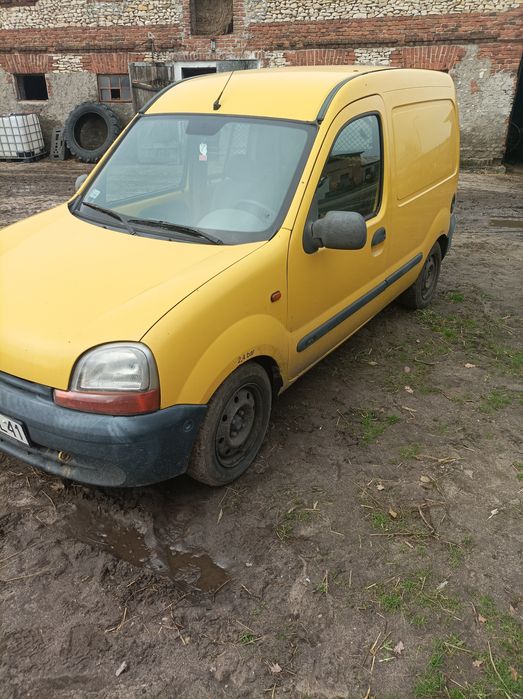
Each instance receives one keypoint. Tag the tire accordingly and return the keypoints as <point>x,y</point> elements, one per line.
<point>243,401</point>
<point>90,129</point>
<point>421,293</point>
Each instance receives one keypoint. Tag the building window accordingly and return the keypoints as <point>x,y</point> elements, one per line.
<point>31,87</point>
<point>114,88</point>
<point>192,71</point>
<point>211,17</point>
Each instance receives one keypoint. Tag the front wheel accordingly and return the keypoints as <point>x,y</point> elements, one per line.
<point>234,427</point>
<point>421,293</point>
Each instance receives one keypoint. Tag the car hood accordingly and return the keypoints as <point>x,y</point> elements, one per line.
<point>67,285</point>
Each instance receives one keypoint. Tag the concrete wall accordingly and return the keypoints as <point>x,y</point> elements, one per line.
<point>479,42</point>
<point>66,91</point>
<point>67,87</point>
<point>485,98</point>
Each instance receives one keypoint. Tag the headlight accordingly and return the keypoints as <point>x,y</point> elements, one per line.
<point>119,378</point>
<point>116,367</point>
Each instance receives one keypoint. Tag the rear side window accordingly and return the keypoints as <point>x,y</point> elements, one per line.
<point>351,178</point>
<point>425,145</point>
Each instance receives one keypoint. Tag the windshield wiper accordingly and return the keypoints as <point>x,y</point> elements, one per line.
<point>114,214</point>
<point>179,228</point>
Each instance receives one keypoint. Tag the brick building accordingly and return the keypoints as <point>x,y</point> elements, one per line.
<point>54,54</point>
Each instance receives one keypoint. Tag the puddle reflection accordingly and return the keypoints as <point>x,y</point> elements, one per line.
<point>192,569</point>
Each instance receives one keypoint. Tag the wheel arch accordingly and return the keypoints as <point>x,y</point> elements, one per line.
<point>191,372</point>
<point>443,241</point>
<point>438,233</point>
<point>273,371</point>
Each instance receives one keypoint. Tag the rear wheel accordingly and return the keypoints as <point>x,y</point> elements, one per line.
<point>234,427</point>
<point>421,293</point>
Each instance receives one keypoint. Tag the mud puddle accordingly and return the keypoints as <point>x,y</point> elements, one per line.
<point>190,569</point>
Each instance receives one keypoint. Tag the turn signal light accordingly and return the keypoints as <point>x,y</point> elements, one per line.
<point>110,403</point>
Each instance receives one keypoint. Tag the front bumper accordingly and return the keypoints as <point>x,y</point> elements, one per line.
<point>98,449</point>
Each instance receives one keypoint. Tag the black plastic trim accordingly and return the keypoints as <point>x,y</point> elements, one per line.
<point>404,269</point>
<point>332,94</point>
<point>352,308</point>
<point>7,380</point>
<point>99,449</point>
<point>379,236</point>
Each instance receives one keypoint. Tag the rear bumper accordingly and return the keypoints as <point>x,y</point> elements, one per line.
<point>98,449</point>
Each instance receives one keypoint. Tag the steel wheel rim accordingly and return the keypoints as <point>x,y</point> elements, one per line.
<point>237,429</point>
<point>430,276</point>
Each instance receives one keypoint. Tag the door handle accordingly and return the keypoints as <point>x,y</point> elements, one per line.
<point>379,236</point>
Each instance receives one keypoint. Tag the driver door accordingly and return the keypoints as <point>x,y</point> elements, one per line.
<point>332,292</point>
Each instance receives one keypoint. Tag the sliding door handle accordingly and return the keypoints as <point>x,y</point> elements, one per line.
<point>379,236</point>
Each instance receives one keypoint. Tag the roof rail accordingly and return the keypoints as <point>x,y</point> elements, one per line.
<point>332,94</point>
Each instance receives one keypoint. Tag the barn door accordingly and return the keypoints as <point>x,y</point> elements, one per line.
<point>146,79</point>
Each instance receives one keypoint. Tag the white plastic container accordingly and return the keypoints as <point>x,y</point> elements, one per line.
<point>20,137</point>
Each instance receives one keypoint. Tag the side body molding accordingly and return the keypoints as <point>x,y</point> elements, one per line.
<point>352,308</point>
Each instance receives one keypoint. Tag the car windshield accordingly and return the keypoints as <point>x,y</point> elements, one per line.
<point>229,177</point>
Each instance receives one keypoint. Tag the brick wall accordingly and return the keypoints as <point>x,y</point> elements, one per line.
<point>478,42</point>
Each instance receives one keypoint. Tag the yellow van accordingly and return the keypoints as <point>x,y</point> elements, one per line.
<point>241,228</point>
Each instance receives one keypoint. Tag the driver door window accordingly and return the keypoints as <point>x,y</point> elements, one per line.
<point>351,178</point>
<point>348,175</point>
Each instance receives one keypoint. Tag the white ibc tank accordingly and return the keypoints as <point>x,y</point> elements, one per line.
<point>20,137</point>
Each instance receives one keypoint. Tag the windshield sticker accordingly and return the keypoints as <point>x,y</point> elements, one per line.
<point>203,152</point>
<point>93,194</point>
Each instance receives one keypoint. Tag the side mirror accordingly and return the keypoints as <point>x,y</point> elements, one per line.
<point>79,181</point>
<point>339,230</point>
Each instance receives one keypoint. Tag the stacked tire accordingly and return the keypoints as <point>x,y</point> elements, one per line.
<point>90,129</point>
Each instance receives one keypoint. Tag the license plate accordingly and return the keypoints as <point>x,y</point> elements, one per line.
<point>13,429</point>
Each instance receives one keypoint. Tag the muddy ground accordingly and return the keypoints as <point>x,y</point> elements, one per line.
<point>374,550</point>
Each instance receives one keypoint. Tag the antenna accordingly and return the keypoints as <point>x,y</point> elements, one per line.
<point>216,104</point>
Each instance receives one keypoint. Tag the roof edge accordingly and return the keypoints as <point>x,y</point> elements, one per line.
<point>334,91</point>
